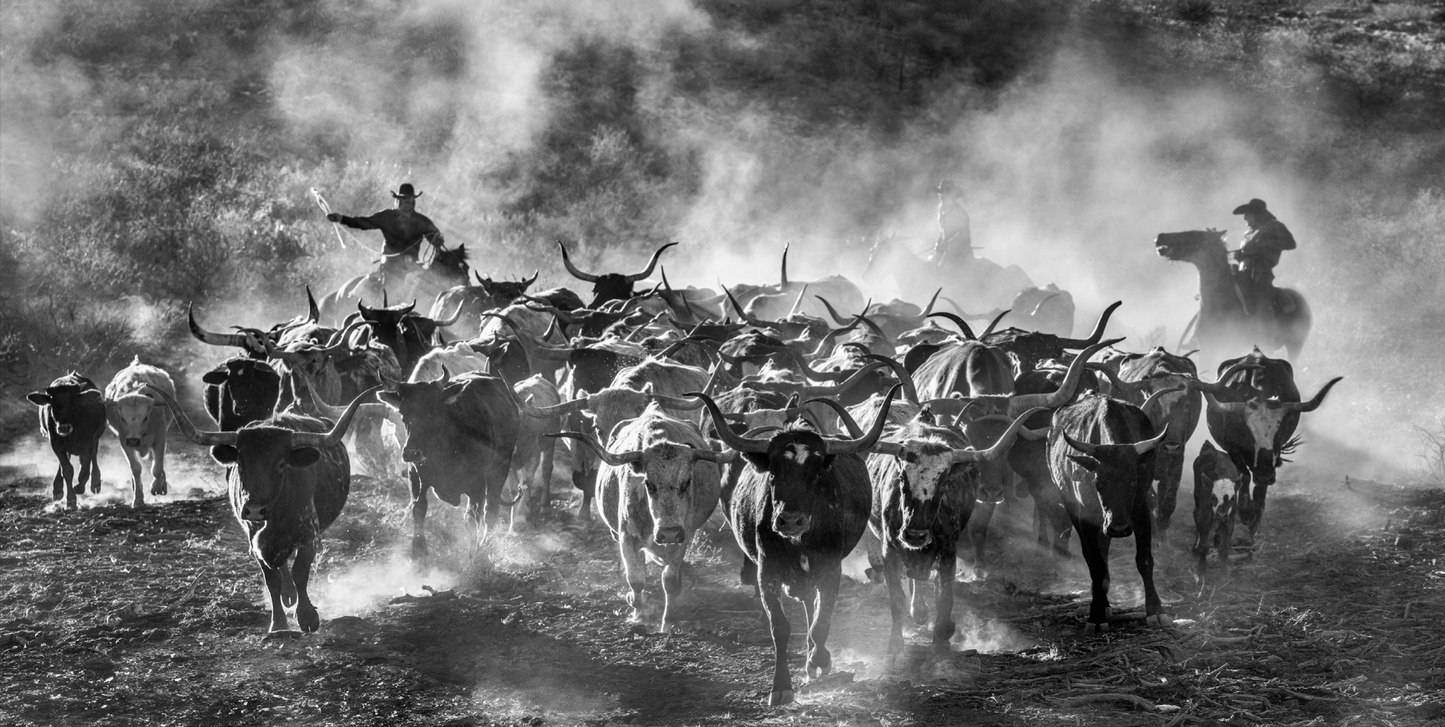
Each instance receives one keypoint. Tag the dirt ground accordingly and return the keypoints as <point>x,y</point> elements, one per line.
<point>110,616</point>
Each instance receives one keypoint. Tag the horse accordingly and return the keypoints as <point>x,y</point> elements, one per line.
<point>399,278</point>
<point>1223,323</point>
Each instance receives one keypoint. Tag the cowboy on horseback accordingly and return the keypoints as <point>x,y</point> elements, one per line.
<point>1256,257</point>
<point>954,238</point>
<point>403,230</point>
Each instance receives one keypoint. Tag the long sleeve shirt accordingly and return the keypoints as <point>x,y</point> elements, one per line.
<point>1266,242</point>
<point>403,232</point>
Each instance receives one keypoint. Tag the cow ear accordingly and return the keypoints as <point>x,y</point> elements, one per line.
<point>390,398</point>
<point>214,377</point>
<point>38,398</point>
<point>759,460</point>
<point>303,456</point>
<point>1085,461</point>
<point>224,453</point>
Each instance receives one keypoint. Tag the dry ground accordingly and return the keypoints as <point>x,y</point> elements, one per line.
<point>115,617</point>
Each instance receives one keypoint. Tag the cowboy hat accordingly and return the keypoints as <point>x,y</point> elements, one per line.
<point>408,192</point>
<point>1254,205</point>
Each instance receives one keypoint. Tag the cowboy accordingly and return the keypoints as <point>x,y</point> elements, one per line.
<point>403,229</point>
<point>1256,257</point>
<point>954,238</point>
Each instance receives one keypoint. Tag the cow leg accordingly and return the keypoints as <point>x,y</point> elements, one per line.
<point>418,516</point>
<point>770,588</point>
<point>306,614</point>
<point>1144,561</point>
<point>1226,537</point>
<point>918,601</point>
<point>943,626</point>
<point>873,547</point>
<point>542,486</point>
<point>584,480</point>
<point>132,456</point>
<point>748,574</point>
<point>1096,554</point>
<point>820,660</point>
<point>671,582</point>
<point>978,536</point>
<point>1173,472</point>
<point>1260,491</point>
<point>159,485</point>
<point>274,583</point>
<point>634,572</point>
<point>90,468</point>
<point>897,608</point>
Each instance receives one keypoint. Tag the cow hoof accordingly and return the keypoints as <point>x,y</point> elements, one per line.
<point>309,620</point>
<point>818,672</point>
<point>1093,628</point>
<point>418,549</point>
<point>158,487</point>
<point>137,504</point>
<point>891,662</point>
<point>70,505</point>
<point>282,634</point>
<point>920,616</point>
<point>778,699</point>
<point>1159,619</point>
<point>95,487</point>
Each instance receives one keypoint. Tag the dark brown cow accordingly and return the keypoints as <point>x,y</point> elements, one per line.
<point>611,286</point>
<point>72,417</point>
<point>288,478</point>
<point>1219,486</point>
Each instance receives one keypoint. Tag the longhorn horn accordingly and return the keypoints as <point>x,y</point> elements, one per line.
<point>833,312</point>
<point>910,390</point>
<point>1218,386</point>
<point>783,278</point>
<point>1066,389</point>
<point>650,265</point>
<point>994,323</point>
<point>801,363</point>
<point>673,402</point>
<point>798,302</point>
<point>456,315</point>
<point>740,443</point>
<point>750,320</point>
<point>338,340</point>
<point>203,438</point>
<point>1098,329</point>
<point>1040,305</point>
<point>854,430</point>
<point>1142,448</point>
<point>616,459</point>
<point>957,321</point>
<point>1318,399</point>
<point>532,347</point>
<point>850,446</point>
<point>567,262</point>
<point>556,410</point>
<point>313,311</point>
<point>527,282</point>
<point>215,339</point>
<point>931,302</point>
<point>1005,441</point>
<point>1156,396</point>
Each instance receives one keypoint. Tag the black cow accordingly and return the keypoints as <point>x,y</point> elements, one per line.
<point>461,434</point>
<point>800,507</point>
<point>72,417</point>
<point>472,300</point>
<point>288,479</point>
<point>611,286</point>
<point>240,391</point>
<point>409,335</point>
<point>1219,487</point>
<point>1254,409</point>
<point>1101,456</point>
<point>1031,347</point>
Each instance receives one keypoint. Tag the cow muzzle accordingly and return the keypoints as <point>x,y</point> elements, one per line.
<point>1119,531</point>
<point>915,538</point>
<point>791,524</point>
<point>64,430</point>
<point>132,442</point>
<point>251,512</point>
<point>412,456</point>
<point>673,535</point>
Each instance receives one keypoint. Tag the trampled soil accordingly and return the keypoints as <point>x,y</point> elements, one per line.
<point>110,616</point>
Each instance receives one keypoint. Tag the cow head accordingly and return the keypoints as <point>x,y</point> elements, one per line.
<point>666,470</point>
<point>930,472</point>
<point>241,390</point>
<point>266,453</point>
<point>422,406</point>
<point>1261,393</point>
<point>71,398</point>
<point>1120,472</point>
<point>611,286</point>
<point>794,460</point>
<point>500,293</point>
<point>130,416</point>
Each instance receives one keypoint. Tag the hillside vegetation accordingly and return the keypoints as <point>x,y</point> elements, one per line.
<point>158,153</point>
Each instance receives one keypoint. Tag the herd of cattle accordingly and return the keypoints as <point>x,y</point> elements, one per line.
<point>793,425</point>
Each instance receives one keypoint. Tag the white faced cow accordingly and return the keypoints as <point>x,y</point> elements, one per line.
<point>140,421</point>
